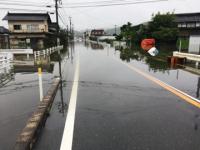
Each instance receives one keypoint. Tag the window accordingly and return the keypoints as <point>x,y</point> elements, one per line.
<point>179,25</point>
<point>183,25</point>
<point>17,27</point>
<point>198,24</point>
<point>191,25</point>
<point>32,28</point>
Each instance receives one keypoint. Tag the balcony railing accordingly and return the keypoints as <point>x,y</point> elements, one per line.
<point>28,31</point>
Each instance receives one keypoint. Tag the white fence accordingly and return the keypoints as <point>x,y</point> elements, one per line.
<point>5,59</point>
<point>47,51</point>
<point>17,51</point>
<point>27,52</point>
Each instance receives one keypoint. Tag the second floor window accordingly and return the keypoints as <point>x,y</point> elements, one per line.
<point>33,28</point>
<point>17,27</point>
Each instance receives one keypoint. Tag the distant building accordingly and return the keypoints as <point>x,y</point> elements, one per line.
<point>4,38</point>
<point>95,33</point>
<point>28,30</point>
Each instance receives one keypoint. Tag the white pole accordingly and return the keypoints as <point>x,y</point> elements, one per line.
<point>35,55</point>
<point>197,64</point>
<point>180,45</point>
<point>40,83</point>
<point>27,56</point>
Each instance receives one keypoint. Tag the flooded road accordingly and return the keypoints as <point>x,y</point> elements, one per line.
<point>116,107</point>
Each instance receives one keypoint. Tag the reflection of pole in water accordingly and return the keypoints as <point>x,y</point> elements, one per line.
<point>61,86</point>
<point>71,48</point>
<point>61,96</point>
<point>177,75</point>
<point>107,51</point>
<point>198,87</point>
<point>68,52</point>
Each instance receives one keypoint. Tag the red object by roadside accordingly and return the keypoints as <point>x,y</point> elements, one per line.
<point>147,44</point>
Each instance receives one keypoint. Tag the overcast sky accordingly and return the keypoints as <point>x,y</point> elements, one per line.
<point>105,17</point>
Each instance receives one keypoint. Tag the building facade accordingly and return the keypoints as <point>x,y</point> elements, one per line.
<point>188,24</point>
<point>189,27</point>
<point>28,30</point>
<point>95,33</point>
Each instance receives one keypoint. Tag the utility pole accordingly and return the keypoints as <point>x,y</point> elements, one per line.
<point>72,31</point>
<point>70,27</point>
<point>67,35</point>
<point>57,22</point>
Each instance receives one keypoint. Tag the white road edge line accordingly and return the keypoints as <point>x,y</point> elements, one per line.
<point>67,139</point>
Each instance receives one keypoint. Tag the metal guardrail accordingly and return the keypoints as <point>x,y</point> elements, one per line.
<point>47,52</point>
<point>193,57</point>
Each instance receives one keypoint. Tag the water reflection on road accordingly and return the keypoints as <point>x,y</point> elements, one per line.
<point>157,66</point>
<point>19,92</point>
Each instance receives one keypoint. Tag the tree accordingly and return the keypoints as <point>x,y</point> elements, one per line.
<point>163,27</point>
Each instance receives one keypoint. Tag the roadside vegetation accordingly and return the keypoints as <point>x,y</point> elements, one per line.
<point>162,27</point>
<point>51,40</point>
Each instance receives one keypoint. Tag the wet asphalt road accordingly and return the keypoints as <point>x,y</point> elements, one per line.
<point>117,108</point>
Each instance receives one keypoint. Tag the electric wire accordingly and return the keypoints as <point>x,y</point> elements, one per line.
<point>115,4</point>
<point>99,2</point>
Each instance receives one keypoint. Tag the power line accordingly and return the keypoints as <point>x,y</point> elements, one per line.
<point>23,2</point>
<point>116,4</point>
<point>17,4</point>
<point>89,2</point>
<point>64,23</point>
<point>103,2</point>
<point>62,18</point>
<point>22,9</point>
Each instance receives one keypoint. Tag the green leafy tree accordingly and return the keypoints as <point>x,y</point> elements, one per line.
<point>163,27</point>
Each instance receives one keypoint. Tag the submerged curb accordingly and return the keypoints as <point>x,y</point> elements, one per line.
<point>36,122</point>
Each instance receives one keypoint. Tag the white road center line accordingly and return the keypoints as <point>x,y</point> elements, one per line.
<point>67,138</point>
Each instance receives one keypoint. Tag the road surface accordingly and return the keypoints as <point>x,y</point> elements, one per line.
<point>110,104</point>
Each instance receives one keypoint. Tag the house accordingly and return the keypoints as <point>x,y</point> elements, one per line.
<point>29,30</point>
<point>96,33</point>
<point>4,38</point>
<point>188,24</point>
<point>189,27</point>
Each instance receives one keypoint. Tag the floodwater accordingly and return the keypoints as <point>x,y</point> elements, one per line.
<point>113,108</point>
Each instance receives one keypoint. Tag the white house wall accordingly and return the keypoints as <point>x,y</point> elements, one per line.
<point>194,44</point>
